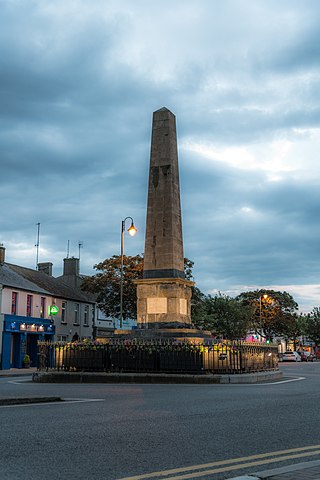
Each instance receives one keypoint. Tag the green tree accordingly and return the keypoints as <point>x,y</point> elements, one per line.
<point>293,327</point>
<point>225,316</point>
<point>270,310</point>
<point>201,318</point>
<point>188,266</point>
<point>312,326</point>
<point>105,284</point>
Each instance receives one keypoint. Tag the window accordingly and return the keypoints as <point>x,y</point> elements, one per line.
<point>14,303</point>
<point>29,305</point>
<point>76,314</point>
<point>62,338</point>
<point>63,312</point>
<point>43,307</point>
<point>86,315</point>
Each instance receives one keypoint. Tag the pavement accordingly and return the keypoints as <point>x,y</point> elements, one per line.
<point>299,471</point>
<point>17,372</point>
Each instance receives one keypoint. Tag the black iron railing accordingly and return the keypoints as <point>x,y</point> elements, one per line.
<point>157,357</point>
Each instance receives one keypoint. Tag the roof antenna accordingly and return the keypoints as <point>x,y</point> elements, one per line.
<point>37,245</point>
<point>68,249</point>
<point>80,245</point>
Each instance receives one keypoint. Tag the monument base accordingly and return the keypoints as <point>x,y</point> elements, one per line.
<point>163,303</point>
<point>164,311</point>
<point>180,334</point>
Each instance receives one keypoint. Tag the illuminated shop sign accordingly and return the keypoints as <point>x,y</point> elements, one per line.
<point>25,327</point>
<point>53,310</point>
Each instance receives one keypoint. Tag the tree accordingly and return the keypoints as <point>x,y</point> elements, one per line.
<point>270,310</point>
<point>312,326</point>
<point>188,266</point>
<point>199,313</point>
<point>224,316</point>
<point>106,284</point>
<point>293,327</point>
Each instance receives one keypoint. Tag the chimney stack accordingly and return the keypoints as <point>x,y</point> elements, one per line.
<point>45,268</point>
<point>71,266</point>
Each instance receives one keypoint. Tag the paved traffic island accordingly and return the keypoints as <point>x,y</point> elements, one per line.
<point>103,377</point>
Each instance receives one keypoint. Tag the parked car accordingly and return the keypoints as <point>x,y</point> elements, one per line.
<point>291,357</point>
<point>306,356</point>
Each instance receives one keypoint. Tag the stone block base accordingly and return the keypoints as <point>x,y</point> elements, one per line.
<point>163,303</point>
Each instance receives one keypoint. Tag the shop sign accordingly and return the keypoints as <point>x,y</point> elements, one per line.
<point>31,328</point>
<point>53,310</point>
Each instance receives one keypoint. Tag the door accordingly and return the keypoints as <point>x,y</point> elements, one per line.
<point>32,348</point>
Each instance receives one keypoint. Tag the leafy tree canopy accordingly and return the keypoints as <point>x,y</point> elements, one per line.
<point>312,325</point>
<point>271,310</point>
<point>224,316</point>
<point>293,326</point>
<point>106,284</point>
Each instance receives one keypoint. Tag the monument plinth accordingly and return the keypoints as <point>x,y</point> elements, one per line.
<point>164,295</point>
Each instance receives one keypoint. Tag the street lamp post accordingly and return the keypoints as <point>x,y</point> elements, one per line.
<point>265,296</point>
<point>132,231</point>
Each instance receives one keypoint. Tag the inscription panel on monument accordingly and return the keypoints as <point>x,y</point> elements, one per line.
<point>183,306</point>
<point>157,305</point>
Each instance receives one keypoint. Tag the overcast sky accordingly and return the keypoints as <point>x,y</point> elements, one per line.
<point>79,81</point>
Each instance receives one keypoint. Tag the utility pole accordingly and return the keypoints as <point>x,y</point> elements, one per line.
<point>37,245</point>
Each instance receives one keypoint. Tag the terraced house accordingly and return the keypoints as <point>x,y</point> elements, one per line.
<point>34,306</point>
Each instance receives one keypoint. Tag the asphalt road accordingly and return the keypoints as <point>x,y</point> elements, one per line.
<point>119,431</point>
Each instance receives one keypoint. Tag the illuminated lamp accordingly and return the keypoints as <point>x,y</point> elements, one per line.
<point>41,328</point>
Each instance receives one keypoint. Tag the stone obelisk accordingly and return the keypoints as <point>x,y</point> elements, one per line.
<point>163,296</point>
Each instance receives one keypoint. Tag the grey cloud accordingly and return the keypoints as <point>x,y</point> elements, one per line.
<point>77,94</point>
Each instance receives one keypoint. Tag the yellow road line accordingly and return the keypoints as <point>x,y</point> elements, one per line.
<point>243,465</point>
<point>164,473</point>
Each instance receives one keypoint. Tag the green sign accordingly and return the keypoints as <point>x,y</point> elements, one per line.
<point>53,310</point>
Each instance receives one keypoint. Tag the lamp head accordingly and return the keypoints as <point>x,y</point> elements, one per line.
<point>132,230</point>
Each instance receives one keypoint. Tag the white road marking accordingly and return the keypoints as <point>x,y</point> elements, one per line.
<point>210,385</point>
<point>283,381</point>
<point>295,379</point>
<point>63,402</point>
<point>17,382</point>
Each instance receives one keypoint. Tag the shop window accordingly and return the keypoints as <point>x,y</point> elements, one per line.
<point>29,305</point>
<point>14,303</point>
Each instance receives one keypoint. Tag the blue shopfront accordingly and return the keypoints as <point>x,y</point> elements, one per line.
<point>20,337</point>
